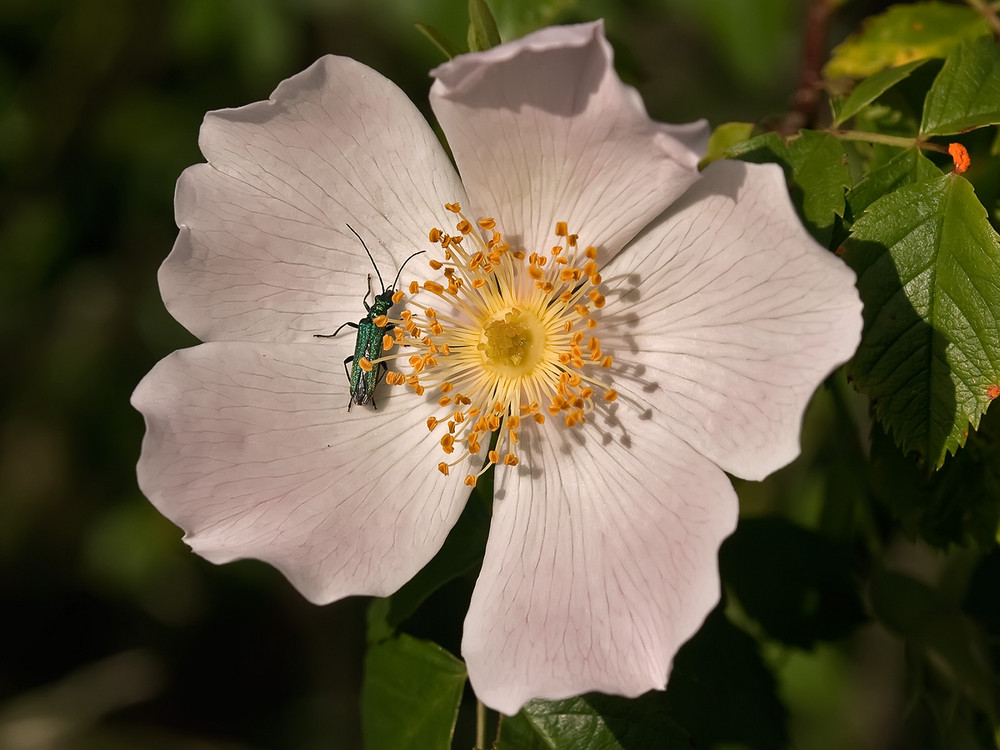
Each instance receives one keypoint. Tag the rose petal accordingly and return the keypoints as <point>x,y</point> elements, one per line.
<point>251,449</point>
<point>733,315</point>
<point>601,562</point>
<point>264,252</point>
<point>543,130</point>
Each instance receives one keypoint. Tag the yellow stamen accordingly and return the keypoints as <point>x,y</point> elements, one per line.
<point>509,335</point>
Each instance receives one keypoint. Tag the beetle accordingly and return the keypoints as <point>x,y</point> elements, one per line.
<point>368,344</point>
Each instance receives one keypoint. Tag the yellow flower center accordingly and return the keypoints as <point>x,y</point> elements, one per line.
<point>513,343</point>
<point>516,342</point>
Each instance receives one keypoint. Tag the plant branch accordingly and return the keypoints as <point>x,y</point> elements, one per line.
<point>898,141</point>
<point>983,8</point>
<point>807,92</point>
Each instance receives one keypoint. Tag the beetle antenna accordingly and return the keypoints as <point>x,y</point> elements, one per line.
<point>382,283</point>
<point>404,266</point>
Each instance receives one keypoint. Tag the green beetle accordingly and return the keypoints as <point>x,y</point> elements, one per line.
<point>368,345</point>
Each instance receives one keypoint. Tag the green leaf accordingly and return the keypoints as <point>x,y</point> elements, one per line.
<point>439,40</point>
<point>966,93</point>
<point>871,89</point>
<point>902,34</point>
<point>907,167</point>
<point>595,722</point>
<point>483,32</point>
<point>461,552</point>
<point>797,584</point>
<point>722,692</point>
<point>411,694</point>
<point>927,259</point>
<point>958,505</point>
<point>515,18</point>
<point>816,164</point>
<point>728,134</point>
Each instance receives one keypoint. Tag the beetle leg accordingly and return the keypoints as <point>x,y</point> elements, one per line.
<point>339,329</point>
<point>350,396</point>
<point>380,370</point>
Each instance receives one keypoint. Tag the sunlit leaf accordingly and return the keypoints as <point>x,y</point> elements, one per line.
<point>902,34</point>
<point>929,359</point>
<point>871,89</point>
<point>725,136</point>
<point>411,695</point>
<point>966,93</point>
<point>907,167</point>
<point>816,165</point>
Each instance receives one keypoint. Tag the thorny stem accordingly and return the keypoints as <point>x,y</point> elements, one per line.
<point>983,8</point>
<point>887,140</point>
